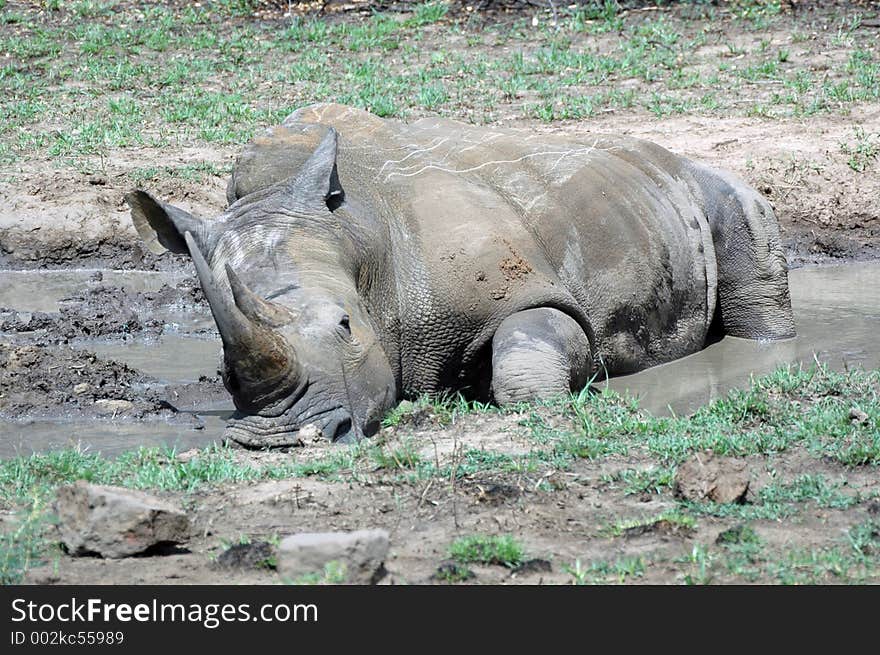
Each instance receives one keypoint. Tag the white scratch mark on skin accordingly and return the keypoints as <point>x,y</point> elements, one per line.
<point>421,151</point>
<point>476,144</point>
<point>547,153</point>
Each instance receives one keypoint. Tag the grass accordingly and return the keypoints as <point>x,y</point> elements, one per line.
<point>502,550</point>
<point>672,521</point>
<point>745,556</point>
<point>604,572</point>
<point>779,500</point>
<point>24,545</point>
<point>38,475</point>
<point>172,76</point>
<point>652,480</point>
<point>862,152</point>
<point>334,573</point>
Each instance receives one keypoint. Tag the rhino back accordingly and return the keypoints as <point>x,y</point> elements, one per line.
<point>487,222</point>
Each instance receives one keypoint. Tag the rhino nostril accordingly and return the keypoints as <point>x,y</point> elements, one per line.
<point>336,424</point>
<point>338,431</point>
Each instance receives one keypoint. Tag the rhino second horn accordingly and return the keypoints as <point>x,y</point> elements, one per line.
<point>264,363</point>
<point>253,306</point>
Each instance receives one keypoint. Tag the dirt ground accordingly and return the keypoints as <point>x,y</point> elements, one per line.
<point>577,525</point>
<point>580,523</point>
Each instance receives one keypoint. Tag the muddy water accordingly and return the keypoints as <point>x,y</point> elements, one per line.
<point>109,438</point>
<point>172,358</point>
<point>837,310</point>
<point>40,291</point>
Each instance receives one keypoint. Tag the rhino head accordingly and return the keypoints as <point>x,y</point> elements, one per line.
<point>281,273</point>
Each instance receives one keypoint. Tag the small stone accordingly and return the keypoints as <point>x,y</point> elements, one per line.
<point>857,416</point>
<point>116,522</point>
<point>534,566</point>
<point>188,455</point>
<point>107,407</point>
<point>708,477</point>
<point>81,388</point>
<point>358,556</point>
<point>310,433</point>
<point>257,555</point>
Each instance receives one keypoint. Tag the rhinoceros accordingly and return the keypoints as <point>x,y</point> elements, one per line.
<point>363,260</point>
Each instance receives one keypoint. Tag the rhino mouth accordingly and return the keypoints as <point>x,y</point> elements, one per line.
<point>260,432</point>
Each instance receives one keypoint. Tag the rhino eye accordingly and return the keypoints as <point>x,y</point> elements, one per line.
<point>345,324</point>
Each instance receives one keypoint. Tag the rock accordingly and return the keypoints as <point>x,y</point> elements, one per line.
<point>534,566</point>
<point>188,455</point>
<point>257,555</point>
<point>709,477</point>
<point>857,416</point>
<point>359,556</point>
<point>107,407</point>
<point>310,433</point>
<point>81,388</point>
<point>115,522</point>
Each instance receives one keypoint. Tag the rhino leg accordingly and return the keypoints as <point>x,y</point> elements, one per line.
<point>538,354</point>
<point>753,297</point>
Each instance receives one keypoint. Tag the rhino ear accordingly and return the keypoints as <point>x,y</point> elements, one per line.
<point>318,179</point>
<point>162,226</point>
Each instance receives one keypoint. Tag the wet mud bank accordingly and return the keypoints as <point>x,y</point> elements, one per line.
<point>106,358</point>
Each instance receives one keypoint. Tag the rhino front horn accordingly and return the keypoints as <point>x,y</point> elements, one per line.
<point>261,365</point>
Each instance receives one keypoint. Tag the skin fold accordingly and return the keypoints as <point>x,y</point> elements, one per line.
<point>364,260</point>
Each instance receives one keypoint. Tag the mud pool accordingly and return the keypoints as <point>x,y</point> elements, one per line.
<point>837,310</point>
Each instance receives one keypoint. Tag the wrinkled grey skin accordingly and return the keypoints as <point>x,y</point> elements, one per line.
<point>362,260</point>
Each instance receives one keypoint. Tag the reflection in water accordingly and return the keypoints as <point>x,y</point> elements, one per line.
<point>837,310</point>
<point>172,358</point>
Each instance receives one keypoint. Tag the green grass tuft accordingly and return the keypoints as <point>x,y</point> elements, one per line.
<point>501,550</point>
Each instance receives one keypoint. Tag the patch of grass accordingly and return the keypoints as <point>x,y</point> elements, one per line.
<point>23,545</point>
<point>334,573</point>
<point>427,13</point>
<point>439,409</point>
<point>154,468</point>
<point>669,521</point>
<point>651,480</point>
<point>604,572</point>
<point>780,500</point>
<point>820,565</point>
<point>203,78</point>
<point>502,550</point>
<point>452,572</point>
<point>741,534</point>
<point>862,152</point>
<point>701,561</point>
<point>864,538</point>
<point>404,457</point>
<point>808,406</point>
<point>744,555</point>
